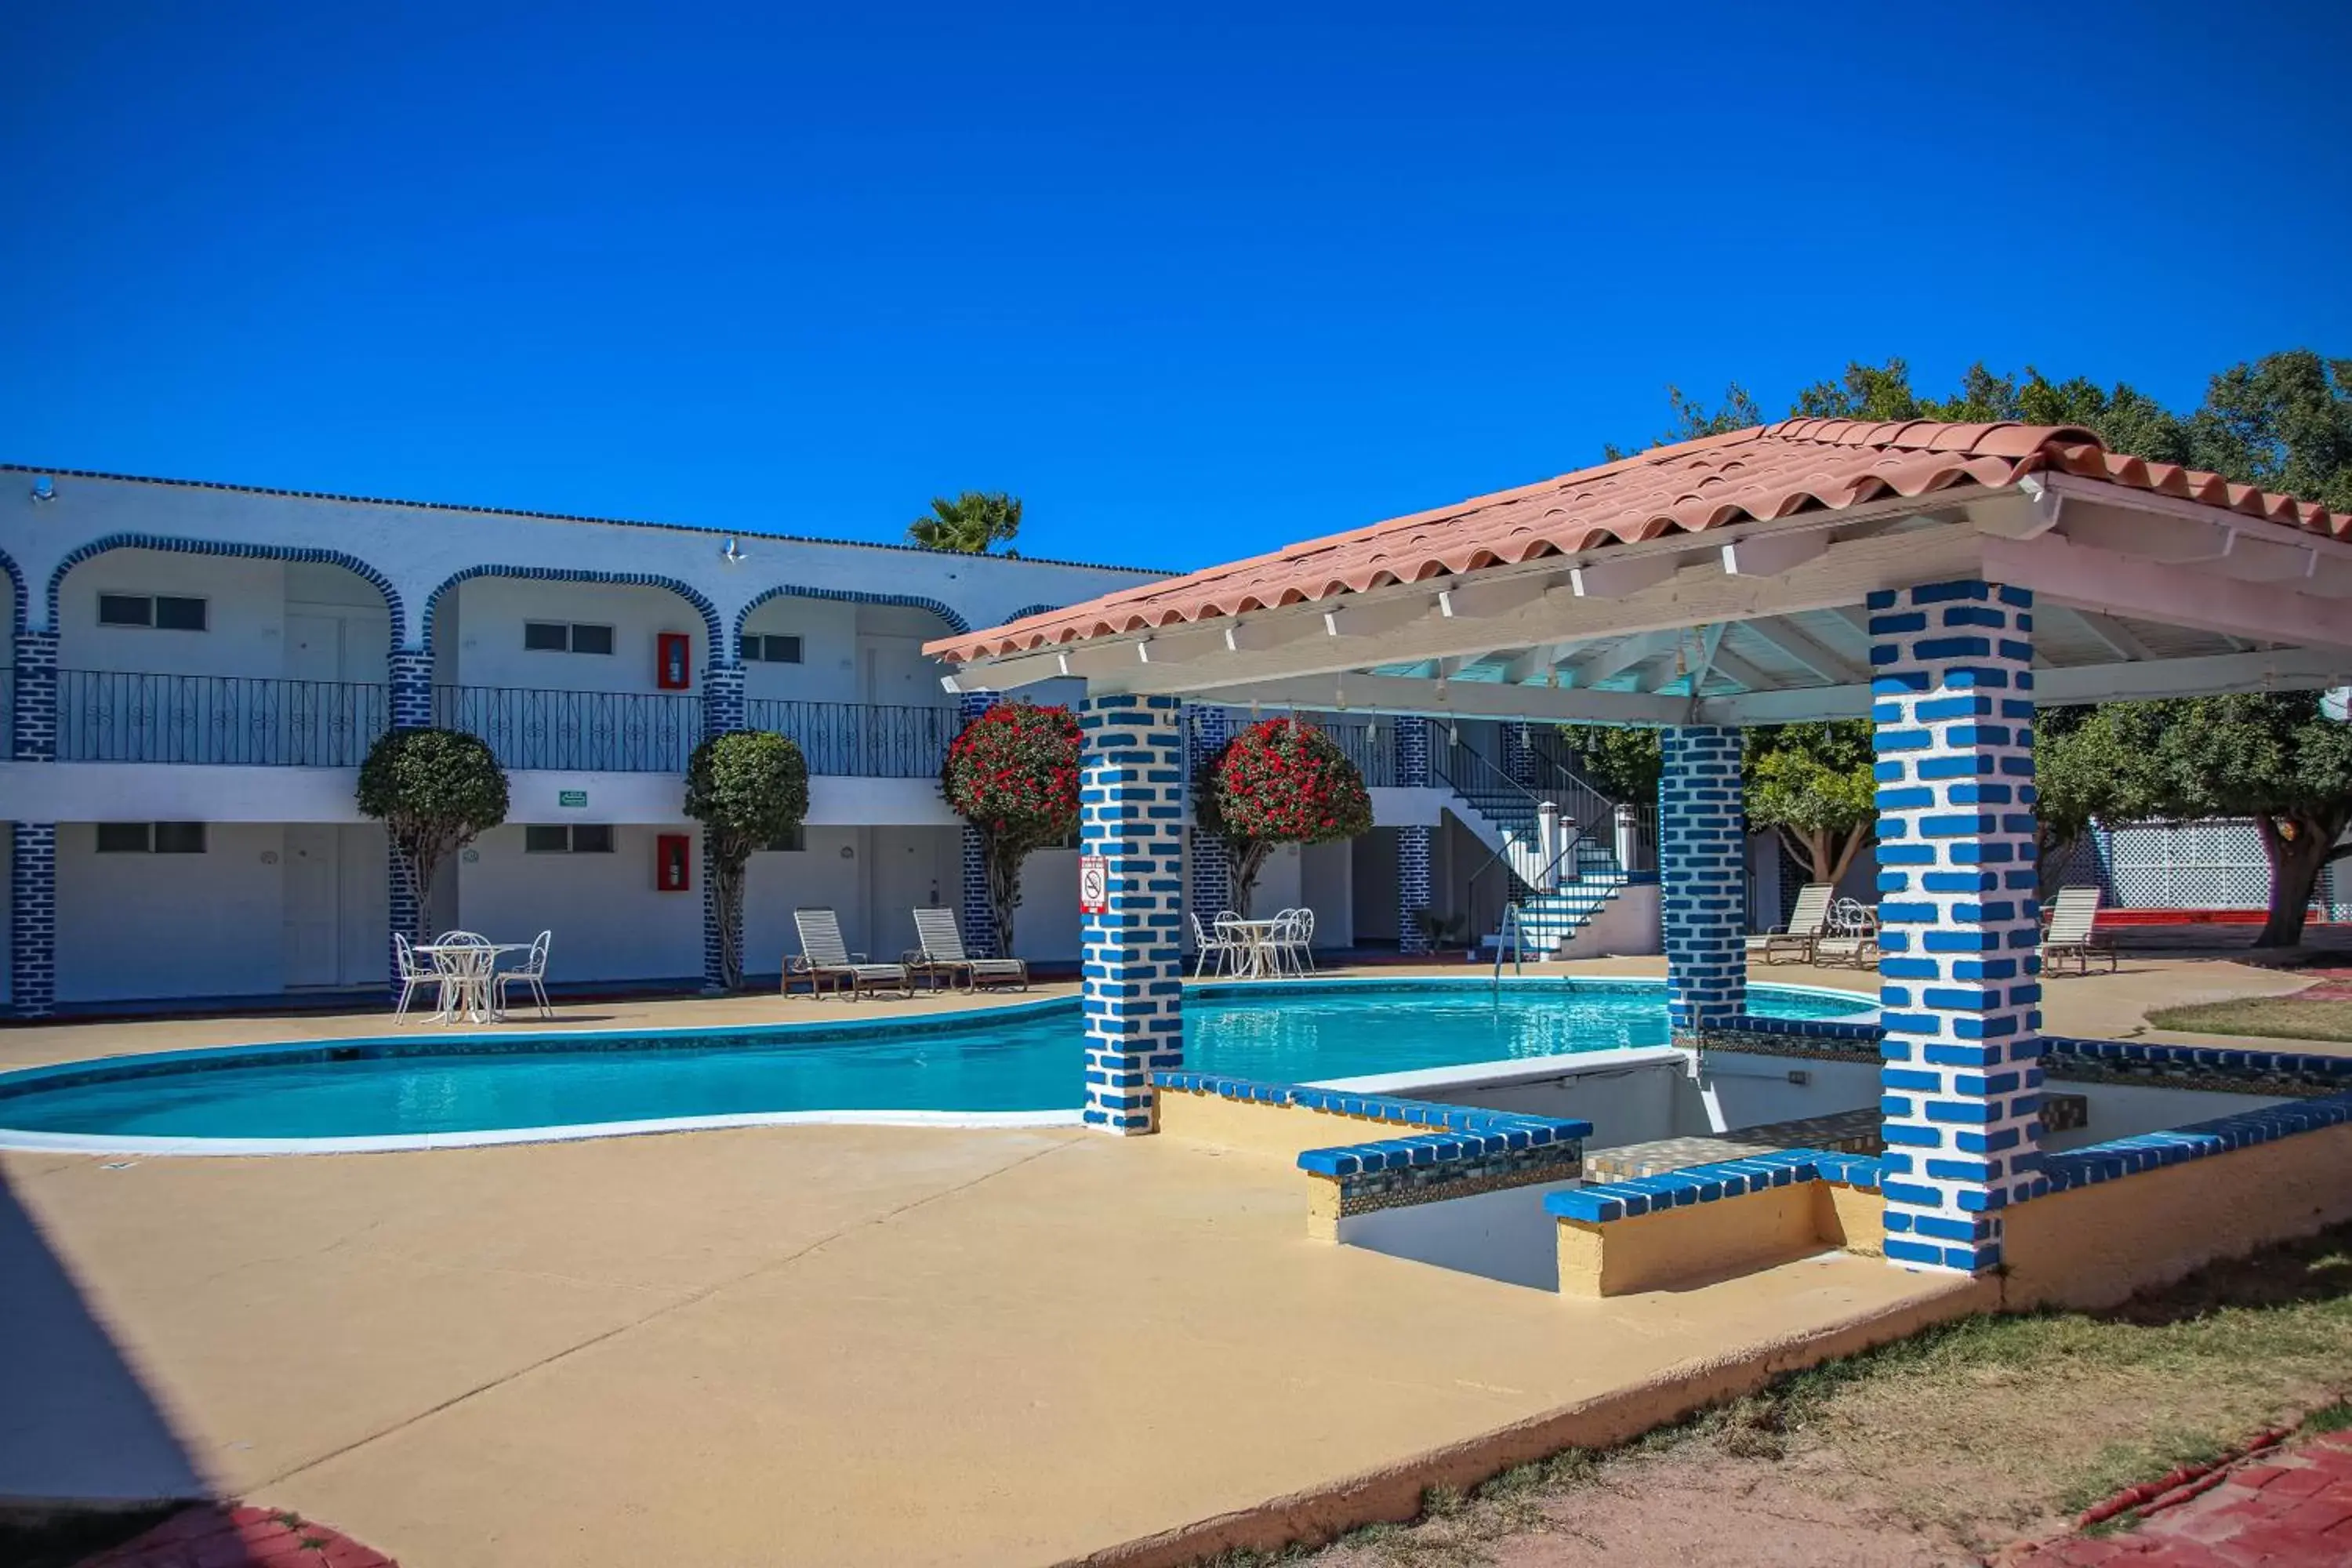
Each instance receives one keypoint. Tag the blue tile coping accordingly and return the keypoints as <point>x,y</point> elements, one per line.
<point>1600,1203</point>
<point>2152,1151</point>
<point>1456,1131</point>
<point>2068,1056</point>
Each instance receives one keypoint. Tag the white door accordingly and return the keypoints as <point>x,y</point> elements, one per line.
<point>314,648</point>
<point>313,881</point>
<point>894,671</point>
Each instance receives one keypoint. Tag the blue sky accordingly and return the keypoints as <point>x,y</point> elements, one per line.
<point>1193,281</point>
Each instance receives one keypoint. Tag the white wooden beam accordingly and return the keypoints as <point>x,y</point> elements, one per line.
<point>1794,643</point>
<point>2113,634</point>
<point>1458,699</point>
<point>2107,582</point>
<point>2279,670</point>
<point>1773,554</point>
<point>1617,579</point>
<point>1602,664</point>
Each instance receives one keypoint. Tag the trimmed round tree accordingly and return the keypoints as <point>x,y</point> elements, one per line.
<point>1013,774</point>
<point>747,788</point>
<point>433,790</point>
<point>1278,782</point>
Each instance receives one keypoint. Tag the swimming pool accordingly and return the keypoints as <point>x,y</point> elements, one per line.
<point>1011,1066</point>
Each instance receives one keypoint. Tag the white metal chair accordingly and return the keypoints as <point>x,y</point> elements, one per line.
<point>1221,947</point>
<point>531,972</point>
<point>414,972</point>
<point>1306,954</point>
<point>1287,942</point>
<point>465,976</point>
<point>1849,936</point>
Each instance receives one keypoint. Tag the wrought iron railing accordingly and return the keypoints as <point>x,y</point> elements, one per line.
<point>1369,740</point>
<point>131,716</point>
<point>861,740</point>
<point>583,731</point>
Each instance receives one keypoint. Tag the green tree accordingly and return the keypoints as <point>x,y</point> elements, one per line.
<point>2090,764</point>
<point>433,790</point>
<point>2283,423</point>
<point>748,789</point>
<point>2272,756</point>
<point>974,523</point>
<point>1013,774</point>
<point>1620,762</point>
<point>1815,786</point>
<point>1278,782</point>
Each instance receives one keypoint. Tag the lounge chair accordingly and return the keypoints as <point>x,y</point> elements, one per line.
<point>942,953</point>
<point>2071,933</point>
<point>1849,936</point>
<point>1804,929</point>
<point>826,960</point>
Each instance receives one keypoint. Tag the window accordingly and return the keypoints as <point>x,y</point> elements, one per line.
<point>575,839</point>
<point>151,838</point>
<point>793,841</point>
<point>565,637</point>
<point>771,650</point>
<point>165,612</point>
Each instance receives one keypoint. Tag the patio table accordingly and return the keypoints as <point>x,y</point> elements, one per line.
<point>1257,950</point>
<point>465,970</point>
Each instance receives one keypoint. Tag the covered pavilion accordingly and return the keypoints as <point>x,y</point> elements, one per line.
<point>1939,580</point>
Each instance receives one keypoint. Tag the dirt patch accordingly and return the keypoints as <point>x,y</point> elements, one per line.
<point>1937,1449</point>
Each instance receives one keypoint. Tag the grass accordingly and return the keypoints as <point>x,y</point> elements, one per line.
<point>1972,1433</point>
<point>2276,1017</point>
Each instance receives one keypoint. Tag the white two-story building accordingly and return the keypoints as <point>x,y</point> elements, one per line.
<point>198,669</point>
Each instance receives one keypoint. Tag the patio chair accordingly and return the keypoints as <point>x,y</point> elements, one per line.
<point>531,972</point>
<point>2073,933</point>
<point>1849,935</point>
<point>1221,947</point>
<point>942,953</point>
<point>1287,941</point>
<point>1804,929</point>
<point>414,972</point>
<point>825,959</point>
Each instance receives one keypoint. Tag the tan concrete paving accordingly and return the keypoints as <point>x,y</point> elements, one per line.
<point>815,1344</point>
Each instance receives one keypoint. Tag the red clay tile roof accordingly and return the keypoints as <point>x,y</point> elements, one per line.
<point>1769,471</point>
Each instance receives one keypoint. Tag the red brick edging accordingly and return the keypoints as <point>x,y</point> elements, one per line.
<point>222,1535</point>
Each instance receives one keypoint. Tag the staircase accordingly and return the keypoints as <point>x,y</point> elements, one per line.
<point>1502,815</point>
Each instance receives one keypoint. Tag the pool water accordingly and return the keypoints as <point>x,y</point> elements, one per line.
<point>1027,1060</point>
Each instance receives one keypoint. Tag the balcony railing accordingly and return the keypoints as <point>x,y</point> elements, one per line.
<point>1370,743</point>
<point>576,732</point>
<point>122,716</point>
<point>862,739</point>
<point>128,716</point>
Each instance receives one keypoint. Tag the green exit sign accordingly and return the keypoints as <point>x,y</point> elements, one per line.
<point>572,798</point>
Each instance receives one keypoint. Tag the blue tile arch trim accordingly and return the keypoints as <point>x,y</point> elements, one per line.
<point>352,563</point>
<point>851,597</point>
<point>20,603</point>
<point>1025,611</point>
<point>713,650</point>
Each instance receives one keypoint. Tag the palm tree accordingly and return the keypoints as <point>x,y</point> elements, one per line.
<point>972,522</point>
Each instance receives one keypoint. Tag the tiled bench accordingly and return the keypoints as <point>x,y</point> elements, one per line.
<point>1648,1232</point>
<point>1846,1132</point>
<point>1371,1152</point>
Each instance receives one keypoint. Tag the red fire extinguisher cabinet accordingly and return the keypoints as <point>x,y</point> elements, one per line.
<point>673,862</point>
<point>674,661</point>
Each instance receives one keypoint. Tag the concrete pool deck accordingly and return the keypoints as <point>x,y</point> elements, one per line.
<point>825,1344</point>
<point>840,1345</point>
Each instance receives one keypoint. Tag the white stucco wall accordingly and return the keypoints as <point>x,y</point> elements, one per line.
<point>490,616</point>
<point>610,922</point>
<point>133,927</point>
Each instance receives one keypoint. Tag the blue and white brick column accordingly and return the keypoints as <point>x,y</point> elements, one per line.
<point>408,675</point>
<point>1207,727</point>
<point>1702,878</point>
<point>1416,893</point>
<point>1959,992</point>
<point>32,845</point>
<point>979,934</point>
<point>1132,813</point>
<point>723,712</point>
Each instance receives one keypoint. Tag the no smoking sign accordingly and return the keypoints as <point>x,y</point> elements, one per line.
<point>1094,885</point>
